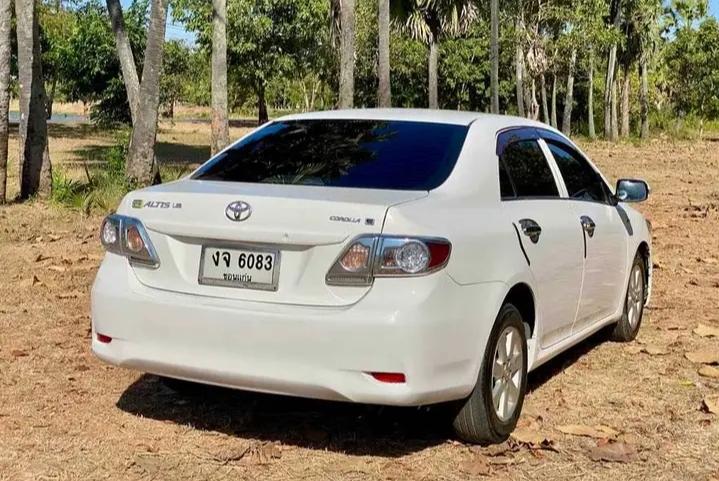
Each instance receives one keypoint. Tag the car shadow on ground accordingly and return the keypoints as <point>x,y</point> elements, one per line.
<point>354,429</point>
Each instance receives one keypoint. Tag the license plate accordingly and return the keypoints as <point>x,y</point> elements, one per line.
<point>251,268</point>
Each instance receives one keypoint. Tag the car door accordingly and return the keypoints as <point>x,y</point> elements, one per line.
<point>547,231</point>
<point>604,233</point>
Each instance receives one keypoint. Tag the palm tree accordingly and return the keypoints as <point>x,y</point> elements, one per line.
<point>430,21</point>
<point>5,12</point>
<point>384,90</point>
<point>648,35</point>
<point>220,135</point>
<point>141,165</point>
<point>347,52</point>
<point>35,166</point>
<point>124,53</point>
<point>611,81</point>
<point>494,57</point>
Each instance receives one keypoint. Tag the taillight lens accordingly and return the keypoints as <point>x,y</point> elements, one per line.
<point>126,236</point>
<point>371,256</point>
<point>356,258</point>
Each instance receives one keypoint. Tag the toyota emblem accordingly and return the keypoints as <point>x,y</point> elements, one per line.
<point>238,211</point>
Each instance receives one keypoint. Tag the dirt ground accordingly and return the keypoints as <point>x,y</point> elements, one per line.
<point>64,415</point>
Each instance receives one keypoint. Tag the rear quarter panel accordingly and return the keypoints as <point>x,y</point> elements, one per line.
<point>465,210</point>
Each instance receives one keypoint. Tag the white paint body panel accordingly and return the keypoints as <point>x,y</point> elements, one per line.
<point>311,339</point>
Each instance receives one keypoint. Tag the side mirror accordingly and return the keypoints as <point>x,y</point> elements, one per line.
<point>632,190</point>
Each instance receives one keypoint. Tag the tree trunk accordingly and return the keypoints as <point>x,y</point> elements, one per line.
<point>51,96</point>
<point>569,96</point>
<point>609,84</point>
<point>590,96</point>
<point>613,111</point>
<point>433,65</point>
<point>626,85</point>
<point>494,56</point>
<point>519,76</point>
<point>5,54</point>
<point>531,101</point>
<point>347,54</point>
<point>124,53</point>
<point>543,92</point>
<point>220,135</point>
<point>554,100</point>
<point>34,161</point>
<point>608,93</point>
<point>262,116</point>
<point>384,92</point>
<point>141,165</point>
<point>644,97</point>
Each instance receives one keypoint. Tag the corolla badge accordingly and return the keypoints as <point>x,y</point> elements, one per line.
<point>238,211</point>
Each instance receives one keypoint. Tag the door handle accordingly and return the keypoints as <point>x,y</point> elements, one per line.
<point>531,229</point>
<point>588,225</point>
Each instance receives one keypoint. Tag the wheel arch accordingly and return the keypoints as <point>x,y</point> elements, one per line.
<point>644,250</point>
<point>521,296</point>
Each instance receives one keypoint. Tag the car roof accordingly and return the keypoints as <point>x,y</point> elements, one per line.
<point>456,117</point>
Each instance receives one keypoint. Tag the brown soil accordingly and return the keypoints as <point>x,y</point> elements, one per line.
<point>65,415</point>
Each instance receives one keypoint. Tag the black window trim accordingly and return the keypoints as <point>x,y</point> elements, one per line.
<point>510,135</point>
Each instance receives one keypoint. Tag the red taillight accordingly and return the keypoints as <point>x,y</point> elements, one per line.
<point>438,253</point>
<point>369,256</point>
<point>389,377</point>
<point>103,338</point>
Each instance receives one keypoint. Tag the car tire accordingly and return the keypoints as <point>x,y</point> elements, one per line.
<point>626,329</point>
<point>478,420</point>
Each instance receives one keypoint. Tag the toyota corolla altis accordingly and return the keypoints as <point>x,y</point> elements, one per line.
<point>396,257</point>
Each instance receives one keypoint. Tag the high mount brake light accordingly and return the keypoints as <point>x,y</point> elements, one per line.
<point>370,256</point>
<point>126,236</point>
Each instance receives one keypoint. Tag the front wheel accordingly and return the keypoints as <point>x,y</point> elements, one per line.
<point>491,412</point>
<point>628,326</point>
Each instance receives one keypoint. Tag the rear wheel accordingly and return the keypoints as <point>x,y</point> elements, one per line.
<point>491,412</point>
<point>628,326</point>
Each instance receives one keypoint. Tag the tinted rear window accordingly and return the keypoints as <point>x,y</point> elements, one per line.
<point>528,170</point>
<point>369,154</point>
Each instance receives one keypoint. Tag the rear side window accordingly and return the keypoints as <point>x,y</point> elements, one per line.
<point>371,154</point>
<point>582,181</point>
<point>527,170</point>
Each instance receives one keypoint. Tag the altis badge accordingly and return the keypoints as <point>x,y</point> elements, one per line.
<point>155,204</point>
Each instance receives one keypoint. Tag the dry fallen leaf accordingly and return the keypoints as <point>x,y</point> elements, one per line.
<point>613,452</point>
<point>710,404</point>
<point>477,466</point>
<point>709,371</point>
<point>704,356</point>
<point>706,331</point>
<point>533,439</point>
<point>231,454</point>
<point>18,353</point>
<point>597,431</point>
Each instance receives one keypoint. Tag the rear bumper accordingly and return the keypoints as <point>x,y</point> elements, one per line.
<point>429,328</point>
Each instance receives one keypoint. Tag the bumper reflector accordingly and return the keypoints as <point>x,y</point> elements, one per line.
<point>103,338</point>
<point>390,377</point>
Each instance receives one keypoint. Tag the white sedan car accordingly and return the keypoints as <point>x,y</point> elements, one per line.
<point>396,257</point>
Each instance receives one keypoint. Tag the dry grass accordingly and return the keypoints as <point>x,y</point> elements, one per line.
<point>65,415</point>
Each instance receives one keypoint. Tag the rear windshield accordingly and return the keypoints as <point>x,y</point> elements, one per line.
<point>370,154</point>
